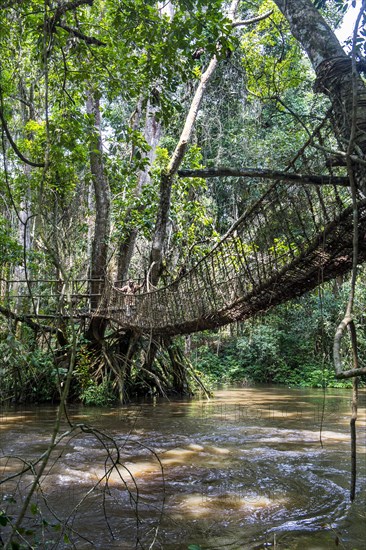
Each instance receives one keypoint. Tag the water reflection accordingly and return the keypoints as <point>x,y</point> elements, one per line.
<point>245,470</point>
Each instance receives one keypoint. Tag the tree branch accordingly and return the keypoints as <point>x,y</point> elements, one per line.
<point>252,20</point>
<point>9,314</point>
<point>61,10</point>
<point>14,145</point>
<point>306,179</point>
<point>351,373</point>
<point>78,34</point>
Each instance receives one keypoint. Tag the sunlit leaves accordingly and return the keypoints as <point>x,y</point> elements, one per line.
<point>271,56</point>
<point>192,213</point>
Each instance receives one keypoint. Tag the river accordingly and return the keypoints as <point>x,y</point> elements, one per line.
<point>245,470</point>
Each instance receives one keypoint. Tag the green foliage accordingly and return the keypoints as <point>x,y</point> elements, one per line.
<point>99,395</point>
<point>254,358</point>
<point>27,373</point>
<point>272,57</point>
<point>11,252</point>
<point>341,5</point>
<point>316,376</point>
<point>292,345</point>
<point>259,353</point>
<point>91,390</point>
<point>4,518</point>
<point>261,360</point>
<point>192,214</point>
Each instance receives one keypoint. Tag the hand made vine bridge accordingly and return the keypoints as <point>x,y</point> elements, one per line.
<point>292,239</point>
<point>289,241</point>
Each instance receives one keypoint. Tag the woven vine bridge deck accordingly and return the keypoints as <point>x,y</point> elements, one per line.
<point>288,242</point>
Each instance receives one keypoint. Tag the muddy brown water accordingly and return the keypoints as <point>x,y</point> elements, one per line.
<point>245,470</point>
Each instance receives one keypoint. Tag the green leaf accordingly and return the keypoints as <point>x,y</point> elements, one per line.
<point>34,508</point>
<point>4,519</point>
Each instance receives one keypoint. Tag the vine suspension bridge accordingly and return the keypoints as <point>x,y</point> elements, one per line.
<point>289,241</point>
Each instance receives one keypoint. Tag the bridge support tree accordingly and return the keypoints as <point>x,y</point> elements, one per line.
<point>339,79</point>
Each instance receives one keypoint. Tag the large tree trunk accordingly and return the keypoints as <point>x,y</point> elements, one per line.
<point>334,77</point>
<point>99,256</point>
<point>21,272</point>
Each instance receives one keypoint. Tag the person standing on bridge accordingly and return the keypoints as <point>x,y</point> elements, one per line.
<point>130,289</point>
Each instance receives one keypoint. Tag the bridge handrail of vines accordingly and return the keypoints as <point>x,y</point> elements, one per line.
<point>289,241</point>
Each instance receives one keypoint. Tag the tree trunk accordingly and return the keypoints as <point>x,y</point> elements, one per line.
<point>24,213</point>
<point>99,256</point>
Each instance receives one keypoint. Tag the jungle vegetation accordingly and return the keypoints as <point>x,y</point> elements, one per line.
<point>101,103</point>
